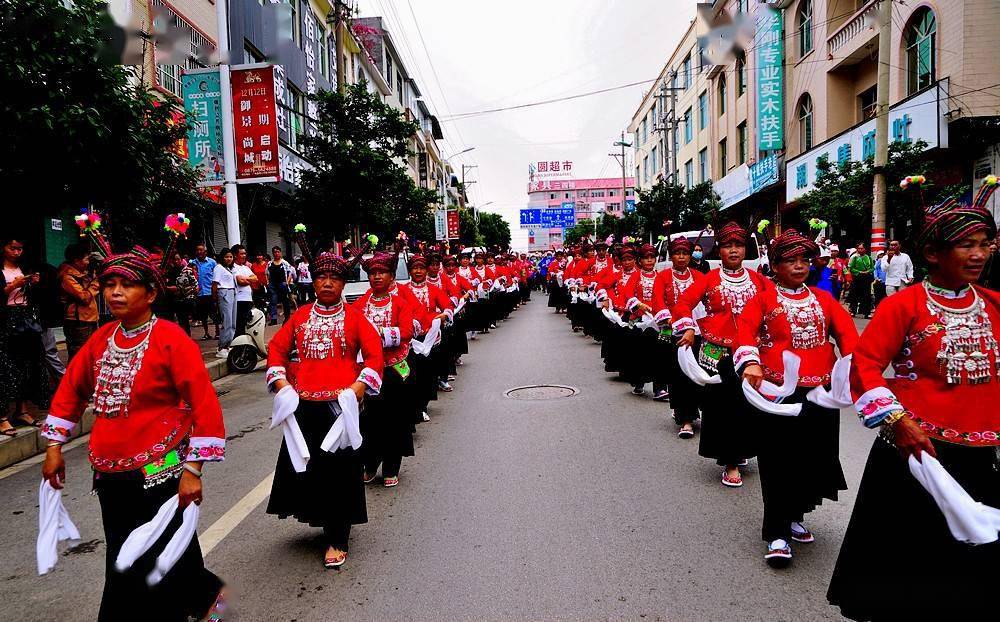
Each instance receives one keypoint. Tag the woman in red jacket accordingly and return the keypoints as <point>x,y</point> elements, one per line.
<point>432,304</point>
<point>667,289</point>
<point>940,341</point>
<point>158,421</point>
<point>311,361</point>
<point>725,431</point>
<point>798,456</point>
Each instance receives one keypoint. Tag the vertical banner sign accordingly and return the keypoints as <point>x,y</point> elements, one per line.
<point>255,124</point>
<point>770,90</point>
<point>312,109</point>
<point>441,224</point>
<point>454,226</point>
<point>202,98</point>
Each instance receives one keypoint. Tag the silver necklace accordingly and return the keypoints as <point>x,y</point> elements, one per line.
<point>320,330</point>
<point>116,370</point>
<point>968,341</point>
<point>737,289</point>
<point>805,317</point>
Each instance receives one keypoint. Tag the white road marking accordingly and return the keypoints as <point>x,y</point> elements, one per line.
<point>234,516</point>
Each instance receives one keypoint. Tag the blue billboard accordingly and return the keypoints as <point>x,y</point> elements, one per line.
<point>560,217</point>
<point>531,218</point>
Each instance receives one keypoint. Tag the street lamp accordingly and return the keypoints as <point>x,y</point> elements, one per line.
<point>459,153</point>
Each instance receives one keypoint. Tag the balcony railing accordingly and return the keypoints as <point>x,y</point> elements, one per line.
<point>862,20</point>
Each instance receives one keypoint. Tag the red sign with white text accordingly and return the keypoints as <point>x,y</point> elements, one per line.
<point>454,228</point>
<point>255,124</point>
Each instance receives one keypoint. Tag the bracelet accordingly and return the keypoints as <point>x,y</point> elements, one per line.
<point>54,444</point>
<point>891,420</point>
<point>193,471</point>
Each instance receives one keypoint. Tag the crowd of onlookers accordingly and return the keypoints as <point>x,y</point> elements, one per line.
<point>215,294</point>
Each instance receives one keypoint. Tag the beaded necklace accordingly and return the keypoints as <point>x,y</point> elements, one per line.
<point>422,292</point>
<point>116,370</point>
<point>681,281</point>
<point>805,317</point>
<point>646,280</point>
<point>737,288</point>
<point>323,326</point>
<point>968,340</point>
<point>379,315</point>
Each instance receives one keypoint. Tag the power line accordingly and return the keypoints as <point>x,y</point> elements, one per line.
<point>465,115</point>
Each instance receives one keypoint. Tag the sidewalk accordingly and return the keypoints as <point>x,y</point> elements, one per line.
<point>29,443</point>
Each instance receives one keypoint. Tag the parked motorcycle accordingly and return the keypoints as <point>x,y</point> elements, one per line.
<point>249,348</point>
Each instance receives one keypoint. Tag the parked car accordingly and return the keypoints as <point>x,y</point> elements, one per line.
<point>754,259</point>
<point>357,281</point>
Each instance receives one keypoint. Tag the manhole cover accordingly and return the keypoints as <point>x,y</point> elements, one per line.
<point>541,392</point>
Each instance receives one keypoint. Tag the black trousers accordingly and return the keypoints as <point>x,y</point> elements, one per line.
<point>861,294</point>
<point>337,535</point>
<point>188,590</point>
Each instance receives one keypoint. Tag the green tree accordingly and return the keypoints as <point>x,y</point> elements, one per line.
<point>686,209</point>
<point>495,230</point>
<point>77,132</point>
<point>357,179</point>
<point>468,228</point>
<point>582,229</point>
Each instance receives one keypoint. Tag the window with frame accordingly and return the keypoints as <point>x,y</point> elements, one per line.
<point>322,52</point>
<point>645,169</point>
<point>656,161</point>
<point>703,165</point>
<point>703,110</point>
<point>741,74</point>
<point>168,77</point>
<point>297,117</point>
<point>613,193</point>
<point>687,72</point>
<point>688,130</point>
<point>296,33</point>
<point>741,135</point>
<point>723,157</point>
<point>805,123</point>
<point>920,54</point>
<point>805,27</point>
<point>645,127</point>
<point>867,104</point>
<point>689,174</point>
<point>722,95</point>
<point>388,67</point>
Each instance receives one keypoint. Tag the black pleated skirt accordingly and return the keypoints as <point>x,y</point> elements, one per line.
<point>387,424</point>
<point>330,492</point>
<point>899,561</point>
<point>684,392</point>
<point>726,425</point>
<point>188,590</point>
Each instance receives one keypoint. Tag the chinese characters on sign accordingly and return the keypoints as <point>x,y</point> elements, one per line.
<point>441,224</point>
<point>770,100</point>
<point>255,124</point>
<point>531,218</point>
<point>454,226</point>
<point>202,97</point>
<point>312,109</point>
<point>550,168</point>
<point>763,173</point>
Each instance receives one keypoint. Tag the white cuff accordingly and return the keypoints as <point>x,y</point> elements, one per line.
<point>273,375</point>
<point>390,337</point>
<point>684,324</point>
<point>371,378</point>
<point>876,405</point>
<point>57,429</point>
<point>745,355</point>
<point>206,449</point>
<point>662,317</point>
<point>450,314</point>
<point>632,303</point>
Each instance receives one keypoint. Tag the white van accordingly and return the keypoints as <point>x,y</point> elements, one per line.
<point>357,281</point>
<point>756,256</point>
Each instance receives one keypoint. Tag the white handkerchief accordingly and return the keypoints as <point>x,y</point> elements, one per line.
<point>54,526</point>
<point>763,404</point>
<point>968,520</point>
<point>176,546</point>
<point>145,535</point>
<point>694,371</point>
<point>346,430</point>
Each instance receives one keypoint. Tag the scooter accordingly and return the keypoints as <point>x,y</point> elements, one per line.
<point>249,348</point>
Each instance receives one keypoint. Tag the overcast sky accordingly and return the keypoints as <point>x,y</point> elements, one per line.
<point>490,53</point>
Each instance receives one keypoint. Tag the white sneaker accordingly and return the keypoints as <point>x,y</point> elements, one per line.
<point>223,353</point>
<point>425,416</point>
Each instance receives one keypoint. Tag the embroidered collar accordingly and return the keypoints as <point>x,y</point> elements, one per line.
<point>944,292</point>
<point>681,275</point>
<point>801,289</point>
<point>129,333</point>
<point>649,274</point>
<point>376,298</point>
<point>331,310</point>
<point>738,272</point>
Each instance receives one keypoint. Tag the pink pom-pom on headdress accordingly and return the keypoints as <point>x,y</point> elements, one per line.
<point>177,224</point>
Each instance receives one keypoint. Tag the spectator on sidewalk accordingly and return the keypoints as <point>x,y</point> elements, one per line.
<point>279,278</point>
<point>182,291</point>
<point>839,267</point>
<point>47,296</point>
<point>821,274</point>
<point>862,269</point>
<point>80,289</point>
<point>898,268</point>
<point>305,282</point>
<point>259,268</point>
<point>23,374</point>
<point>204,267</point>
<point>879,289</point>
<point>245,278</point>
<point>224,293</point>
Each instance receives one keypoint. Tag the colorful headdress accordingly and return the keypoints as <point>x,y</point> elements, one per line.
<point>647,250</point>
<point>789,244</point>
<point>417,261</point>
<point>176,226</point>
<point>629,251</point>
<point>330,263</point>
<point>89,222</point>
<point>137,265</point>
<point>381,261</point>
<point>680,245</point>
<point>951,221</point>
<point>731,232</point>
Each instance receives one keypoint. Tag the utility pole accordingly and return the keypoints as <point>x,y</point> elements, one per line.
<point>881,127</point>
<point>339,17</point>
<point>621,143</point>
<point>228,142</point>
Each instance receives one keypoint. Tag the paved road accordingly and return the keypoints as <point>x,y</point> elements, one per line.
<point>583,508</point>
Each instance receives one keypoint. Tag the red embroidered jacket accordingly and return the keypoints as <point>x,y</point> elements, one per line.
<point>431,302</point>
<point>905,335</point>
<point>322,379</point>
<point>639,288</point>
<point>765,331</point>
<point>667,290</point>
<point>455,285</point>
<point>393,318</point>
<point>719,324</point>
<point>171,402</point>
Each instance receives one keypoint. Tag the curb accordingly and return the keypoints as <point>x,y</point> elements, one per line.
<point>29,442</point>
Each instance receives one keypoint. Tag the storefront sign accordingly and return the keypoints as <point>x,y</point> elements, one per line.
<point>202,96</point>
<point>255,124</point>
<point>454,225</point>
<point>549,168</point>
<point>734,187</point>
<point>763,173</point>
<point>441,224</point>
<point>921,117</point>
<point>769,43</point>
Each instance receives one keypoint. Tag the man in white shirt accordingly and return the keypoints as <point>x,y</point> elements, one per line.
<point>898,268</point>
<point>224,292</point>
<point>245,278</point>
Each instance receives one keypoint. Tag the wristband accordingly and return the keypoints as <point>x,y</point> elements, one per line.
<point>193,471</point>
<point>891,420</point>
<point>54,444</point>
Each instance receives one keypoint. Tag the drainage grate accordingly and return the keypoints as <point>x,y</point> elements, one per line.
<point>541,392</point>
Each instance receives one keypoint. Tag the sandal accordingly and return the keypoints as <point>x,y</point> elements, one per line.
<point>28,420</point>
<point>335,559</point>
<point>391,482</point>
<point>368,479</point>
<point>9,430</point>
